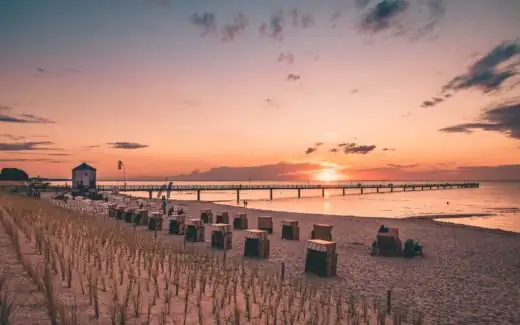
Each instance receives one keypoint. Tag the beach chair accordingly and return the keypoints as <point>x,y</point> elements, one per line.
<point>221,237</point>
<point>155,222</point>
<point>222,218</point>
<point>265,223</point>
<point>206,216</point>
<point>290,230</point>
<point>256,243</point>
<point>120,211</point>
<point>240,221</point>
<point>194,230</point>
<point>321,258</point>
<point>128,214</point>
<point>138,216</point>
<point>177,225</point>
<point>321,231</point>
<point>389,243</point>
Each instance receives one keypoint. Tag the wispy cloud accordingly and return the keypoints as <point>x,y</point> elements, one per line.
<point>91,146</point>
<point>310,150</point>
<point>233,29</point>
<point>293,77</point>
<point>412,18</point>
<point>286,57</point>
<point>26,146</point>
<point>488,73</point>
<point>21,118</point>
<point>388,149</point>
<point>46,73</point>
<point>275,27</point>
<point>503,118</point>
<point>301,19</point>
<point>52,161</point>
<point>353,148</point>
<point>127,145</point>
<point>206,21</point>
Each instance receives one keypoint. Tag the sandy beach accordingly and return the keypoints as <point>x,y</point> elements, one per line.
<point>469,275</point>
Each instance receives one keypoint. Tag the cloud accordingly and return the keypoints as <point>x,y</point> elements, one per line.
<point>272,102</point>
<point>269,172</point>
<point>52,161</point>
<point>382,16</point>
<point>430,103</point>
<point>43,73</point>
<point>301,19</point>
<point>275,28</point>
<point>22,118</point>
<point>310,150</point>
<point>26,146</point>
<point>293,77</point>
<point>286,57</point>
<point>318,144</point>
<point>354,91</point>
<point>397,15</point>
<point>503,118</point>
<point>127,145</point>
<point>353,148</point>
<point>488,74</point>
<point>231,30</point>
<point>388,149</point>
<point>12,137</point>
<point>206,21</point>
<point>91,146</point>
<point>334,150</point>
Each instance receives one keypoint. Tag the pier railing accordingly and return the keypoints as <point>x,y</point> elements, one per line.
<point>245,187</point>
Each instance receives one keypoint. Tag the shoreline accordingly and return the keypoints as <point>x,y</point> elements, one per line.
<point>428,218</point>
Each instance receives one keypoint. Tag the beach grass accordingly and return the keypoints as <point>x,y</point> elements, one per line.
<point>95,272</point>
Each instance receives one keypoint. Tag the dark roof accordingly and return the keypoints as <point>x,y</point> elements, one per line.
<point>84,166</point>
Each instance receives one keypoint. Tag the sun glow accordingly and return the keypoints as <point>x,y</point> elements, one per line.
<point>328,175</point>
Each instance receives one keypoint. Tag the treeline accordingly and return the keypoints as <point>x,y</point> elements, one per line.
<point>13,174</point>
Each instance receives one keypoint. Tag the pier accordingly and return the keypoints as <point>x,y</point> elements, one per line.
<point>298,188</point>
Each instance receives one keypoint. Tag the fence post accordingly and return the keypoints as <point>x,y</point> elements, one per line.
<point>389,302</point>
<point>283,271</point>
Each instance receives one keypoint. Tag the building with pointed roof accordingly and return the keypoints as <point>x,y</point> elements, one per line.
<point>84,176</point>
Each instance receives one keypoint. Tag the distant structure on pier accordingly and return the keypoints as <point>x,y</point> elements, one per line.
<point>84,177</point>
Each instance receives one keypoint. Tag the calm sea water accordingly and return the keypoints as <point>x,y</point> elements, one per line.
<point>499,198</point>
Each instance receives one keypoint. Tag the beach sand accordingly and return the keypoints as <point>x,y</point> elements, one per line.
<point>469,275</point>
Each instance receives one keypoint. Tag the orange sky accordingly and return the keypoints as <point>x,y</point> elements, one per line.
<point>145,75</point>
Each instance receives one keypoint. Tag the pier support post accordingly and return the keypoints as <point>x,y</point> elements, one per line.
<point>238,196</point>
<point>322,192</point>
<point>150,194</point>
<point>361,190</point>
<point>343,191</point>
<point>404,188</point>
<point>299,193</point>
<point>413,188</point>
<point>392,189</point>
<point>198,195</point>
<point>271,194</point>
<point>377,189</point>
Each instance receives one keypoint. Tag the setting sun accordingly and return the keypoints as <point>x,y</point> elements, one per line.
<point>328,175</point>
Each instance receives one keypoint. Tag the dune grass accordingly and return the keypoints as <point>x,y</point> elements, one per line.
<point>94,272</point>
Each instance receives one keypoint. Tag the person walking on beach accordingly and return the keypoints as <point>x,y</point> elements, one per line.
<point>245,203</point>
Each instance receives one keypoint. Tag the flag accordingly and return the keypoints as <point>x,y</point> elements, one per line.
<point>119,164</point>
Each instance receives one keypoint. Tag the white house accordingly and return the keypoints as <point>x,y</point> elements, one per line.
<point>84,176</point>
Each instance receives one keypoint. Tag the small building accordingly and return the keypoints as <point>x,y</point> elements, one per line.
<point>84,176</point>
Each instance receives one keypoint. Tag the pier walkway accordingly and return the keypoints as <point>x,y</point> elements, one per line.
<point>297,187</point>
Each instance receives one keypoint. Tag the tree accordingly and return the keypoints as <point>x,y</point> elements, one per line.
<point>13,174</point>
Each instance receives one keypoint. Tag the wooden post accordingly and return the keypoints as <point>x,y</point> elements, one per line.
<point>271,194</point>
<point>389,302</point>
<point>283,271</point>
<point>238,196</point>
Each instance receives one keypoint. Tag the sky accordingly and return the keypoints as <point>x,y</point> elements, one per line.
<point>268,90</point>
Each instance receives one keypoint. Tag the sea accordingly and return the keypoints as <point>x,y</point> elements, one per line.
<point>500,201</point>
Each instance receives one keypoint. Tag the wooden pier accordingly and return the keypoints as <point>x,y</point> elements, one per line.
<point>378,188</point>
